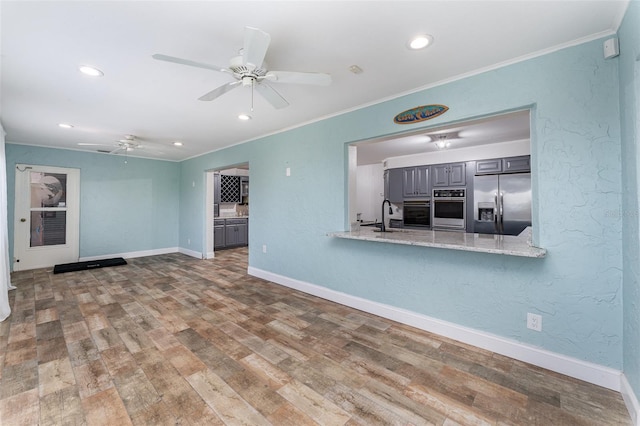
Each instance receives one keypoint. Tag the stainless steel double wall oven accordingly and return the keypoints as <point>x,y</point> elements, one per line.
<point>449,206</point>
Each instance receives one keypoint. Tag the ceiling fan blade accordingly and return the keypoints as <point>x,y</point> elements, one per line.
<point>256,43</point>
<point>316,78</point>
<point>188,62</point>
<point>270,94</point>
<point>219,91</point>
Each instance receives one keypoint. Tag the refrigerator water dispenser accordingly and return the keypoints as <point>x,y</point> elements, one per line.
<point>486,212</point>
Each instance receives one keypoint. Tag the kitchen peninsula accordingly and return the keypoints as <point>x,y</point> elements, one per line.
<point>484,243</point>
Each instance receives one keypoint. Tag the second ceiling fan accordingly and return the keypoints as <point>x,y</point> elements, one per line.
<point>249,70</point>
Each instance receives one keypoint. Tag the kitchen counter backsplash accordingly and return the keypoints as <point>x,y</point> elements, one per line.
<point>233,210</point>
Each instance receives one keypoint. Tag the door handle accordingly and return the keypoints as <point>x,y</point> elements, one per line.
<point>22,219</point>
<point>496,213</point>
<point>502,212</point>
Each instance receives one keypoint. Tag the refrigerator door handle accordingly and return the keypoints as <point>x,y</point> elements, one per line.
<point>496,212</point>
<point>502,212</point>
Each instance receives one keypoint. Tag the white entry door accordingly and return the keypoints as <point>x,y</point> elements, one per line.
<point>47,206</point>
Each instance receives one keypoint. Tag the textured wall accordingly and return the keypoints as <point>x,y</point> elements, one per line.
<point>629,37</point>
<point>123,207</point>
<point>575,151</point>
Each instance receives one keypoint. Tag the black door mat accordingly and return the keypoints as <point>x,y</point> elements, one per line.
<point>93,264</point>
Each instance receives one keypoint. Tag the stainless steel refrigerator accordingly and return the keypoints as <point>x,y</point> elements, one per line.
<point>502,203</point>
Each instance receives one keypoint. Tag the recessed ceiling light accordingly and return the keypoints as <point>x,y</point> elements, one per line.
<point>355,69</point>
<point>244,117</point>
<point>420,42</point>
<point>91,71</point>
<point>65,125</point>
<point>177,143</point>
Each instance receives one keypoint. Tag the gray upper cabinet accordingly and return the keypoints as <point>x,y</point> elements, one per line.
<point>415,182</point>
<point>454,174</point>
<point>216,188</point>
<point>229,189</point>
<point>516,164</point>
<point>487,167</point>
<point>393,185</point>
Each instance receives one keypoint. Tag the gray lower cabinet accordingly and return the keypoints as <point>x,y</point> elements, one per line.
<point>236,232</point>
<point>218,234</point>
<point>454,174</point>
<point>229,233</point>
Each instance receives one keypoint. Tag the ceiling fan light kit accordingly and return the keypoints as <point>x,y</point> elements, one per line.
<point>250,70</point>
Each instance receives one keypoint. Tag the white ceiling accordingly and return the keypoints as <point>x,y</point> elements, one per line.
<point>514,126</point>
<point>43,43</point>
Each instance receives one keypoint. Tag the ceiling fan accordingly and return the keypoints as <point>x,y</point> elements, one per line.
<point>128,143</point>
<point>249,69</point>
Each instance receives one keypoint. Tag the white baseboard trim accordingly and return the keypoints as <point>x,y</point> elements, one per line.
<point>191,253</point>
<point>573,367</point>
<point>131,254</point>
<point>630,400</point>
<point>210,255</point>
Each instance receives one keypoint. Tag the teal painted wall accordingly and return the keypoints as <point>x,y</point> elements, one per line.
<point>577,193</point>
<point>576,157</point>
<point>629,62</point>
<point>123,207</point>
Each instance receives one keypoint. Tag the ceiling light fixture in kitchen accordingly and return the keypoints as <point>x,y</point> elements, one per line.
<point>420,42</point>
<point>442,142</point>
<point>177,143</point>
<point>244,117</point>
<point>90,71</point>
<point>65,125</point>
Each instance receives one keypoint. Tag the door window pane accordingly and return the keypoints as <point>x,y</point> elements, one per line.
<point>48,228</point>
<point>48,189</point>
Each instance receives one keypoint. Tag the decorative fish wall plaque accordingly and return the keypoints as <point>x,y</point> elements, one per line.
<point>420,113</point>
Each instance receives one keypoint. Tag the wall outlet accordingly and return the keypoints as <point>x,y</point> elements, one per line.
<point>288,171</point>
<point>534,321</point>
<point>264,248</point>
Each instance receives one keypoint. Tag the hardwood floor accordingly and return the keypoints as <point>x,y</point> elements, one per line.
<point>170,340</point>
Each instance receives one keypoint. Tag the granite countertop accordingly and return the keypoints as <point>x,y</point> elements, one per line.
<point>484,243</point>
<point>231,217</point>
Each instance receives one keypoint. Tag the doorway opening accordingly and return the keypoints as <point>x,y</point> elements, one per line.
<point>227,208</point>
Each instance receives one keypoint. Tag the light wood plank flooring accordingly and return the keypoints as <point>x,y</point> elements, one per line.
<point>171,340</point>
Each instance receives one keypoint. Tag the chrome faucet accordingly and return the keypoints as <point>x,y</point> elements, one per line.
<point>382,228</point>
